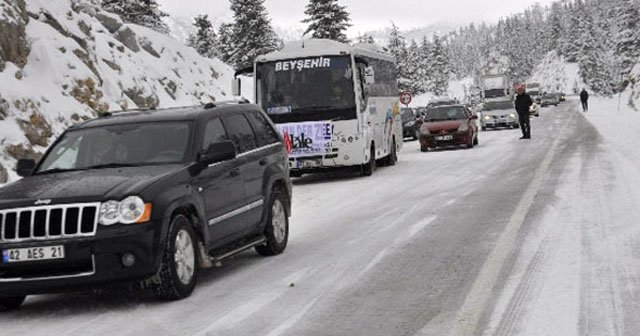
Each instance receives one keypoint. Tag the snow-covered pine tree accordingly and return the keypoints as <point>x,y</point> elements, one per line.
<point>412,68</point>
<point>252,34</point>
<point>594,61</point>
<point>627,37</point>
<point>225,46</point>
<point>397,47</point>
<point>327,19</point>
<point>425,78</point>
<point>204,40</point>
<point>141,12</point>
<point>439,67</point>
<point>366,39</point>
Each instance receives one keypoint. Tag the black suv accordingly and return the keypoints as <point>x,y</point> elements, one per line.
<point>146,196</point>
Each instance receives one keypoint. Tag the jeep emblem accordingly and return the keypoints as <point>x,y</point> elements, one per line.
<point>43,202</point>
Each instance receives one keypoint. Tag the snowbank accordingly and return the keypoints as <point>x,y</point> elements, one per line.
<point>84,61</point>
<point>457,89</point>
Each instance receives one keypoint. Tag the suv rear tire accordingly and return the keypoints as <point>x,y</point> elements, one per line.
<point>11,302</point>
<point>277,227</point>
<point>179,268</point>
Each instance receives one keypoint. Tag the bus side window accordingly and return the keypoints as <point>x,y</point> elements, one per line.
<point>364,89</point>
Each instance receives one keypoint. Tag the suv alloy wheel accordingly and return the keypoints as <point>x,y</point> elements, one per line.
<point>277,228</point>
<point>179,268</point>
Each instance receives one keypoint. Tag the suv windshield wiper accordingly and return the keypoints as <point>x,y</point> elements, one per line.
<point>55,170</point>
<point>115,165</point>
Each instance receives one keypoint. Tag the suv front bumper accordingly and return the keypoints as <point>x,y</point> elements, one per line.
<point>89,263</point>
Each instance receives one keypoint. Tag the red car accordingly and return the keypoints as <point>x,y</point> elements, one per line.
<point>448,126</point>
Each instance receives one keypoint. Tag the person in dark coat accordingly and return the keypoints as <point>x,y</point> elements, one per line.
<point>584,97</point>
<point>523,103</point>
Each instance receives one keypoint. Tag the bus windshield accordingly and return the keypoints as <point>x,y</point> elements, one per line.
<point>307,89</point>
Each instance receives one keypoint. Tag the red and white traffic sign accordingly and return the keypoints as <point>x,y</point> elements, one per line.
<point>405,97</point>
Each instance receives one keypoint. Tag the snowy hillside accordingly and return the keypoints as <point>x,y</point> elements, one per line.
<point>62,61</point>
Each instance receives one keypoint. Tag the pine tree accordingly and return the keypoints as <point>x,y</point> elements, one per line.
<point>439,67</point>
<point>412,69</point>
<point>366,39</point>
<point>225,46</point>
<point>627,39</point>
<point>252,33</point>
<point>397,47</point>
<point>327,19</point>
<point>141,12</point>
<point>204,40</point>
<point>593,60</point>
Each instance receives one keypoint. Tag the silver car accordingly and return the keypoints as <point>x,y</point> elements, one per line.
<point>498,114</point>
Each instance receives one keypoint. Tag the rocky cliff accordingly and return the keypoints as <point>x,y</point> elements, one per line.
<point>63,61</point>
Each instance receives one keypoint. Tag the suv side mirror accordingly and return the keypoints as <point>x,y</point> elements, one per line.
<point>218,152</point>
<point>236,87</point>
<point>25,167</point>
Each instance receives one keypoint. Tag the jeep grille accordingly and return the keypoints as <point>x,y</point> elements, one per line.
<point>49,222</point>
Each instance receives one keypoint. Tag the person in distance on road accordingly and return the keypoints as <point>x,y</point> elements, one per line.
<point>584,97</point>
<point>523,103</point>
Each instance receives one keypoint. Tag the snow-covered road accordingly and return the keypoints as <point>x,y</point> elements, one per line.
<point>513,237</point>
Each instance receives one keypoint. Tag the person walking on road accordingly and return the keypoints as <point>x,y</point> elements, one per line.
<point>523,104</point>
<point>584,98</point>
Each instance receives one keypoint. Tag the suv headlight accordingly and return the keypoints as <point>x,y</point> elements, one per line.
<point>131,210</point>
<point>463,128</point>
<point>409,123</point>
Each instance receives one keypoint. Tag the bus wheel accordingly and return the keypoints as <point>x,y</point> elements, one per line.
<point>392,158</point>
<point>369,167</point>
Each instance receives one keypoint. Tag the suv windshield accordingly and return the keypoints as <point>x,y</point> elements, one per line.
<point>307,89</point>
<point>119,146</point>
<point>446,113</point>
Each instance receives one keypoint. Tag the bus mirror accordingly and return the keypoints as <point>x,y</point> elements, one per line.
<point>369,75</point>
<point>236,87</point>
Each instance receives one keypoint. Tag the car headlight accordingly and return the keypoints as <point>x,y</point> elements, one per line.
<point>109,212</point>
<point>131,210</point>
<point>463,128</point>
<point>512,115</point>
<point>486,117</point>
<point>409,124</point>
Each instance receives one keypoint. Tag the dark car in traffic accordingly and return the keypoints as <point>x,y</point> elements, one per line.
<point>147,197</point>
<point>450,125</point>
<point>408,118</point>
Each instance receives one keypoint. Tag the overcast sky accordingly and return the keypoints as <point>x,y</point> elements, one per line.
<point>368,15</point>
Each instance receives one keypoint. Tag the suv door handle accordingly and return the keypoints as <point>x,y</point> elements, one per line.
<point>263,162</point>
<point>234,172</point>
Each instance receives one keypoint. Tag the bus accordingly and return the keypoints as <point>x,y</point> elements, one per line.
<point>336,105</point>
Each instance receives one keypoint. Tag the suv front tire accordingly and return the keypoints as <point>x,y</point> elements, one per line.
<point>179,268</point>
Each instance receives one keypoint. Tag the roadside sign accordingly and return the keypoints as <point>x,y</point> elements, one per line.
<point>405,97</point>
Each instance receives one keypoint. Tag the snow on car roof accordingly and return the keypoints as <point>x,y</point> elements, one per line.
<point>321,47</point>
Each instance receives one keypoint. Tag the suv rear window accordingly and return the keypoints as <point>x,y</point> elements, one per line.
<point>240,132</point>
<point>264,131</point>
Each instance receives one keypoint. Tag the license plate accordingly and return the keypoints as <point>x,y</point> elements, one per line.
<point>33,254</point>
<point>309,163</point>
<point>444,137</point>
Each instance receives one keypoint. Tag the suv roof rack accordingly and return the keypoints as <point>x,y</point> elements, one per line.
<point>112,113</point>
<point>226,102</point>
